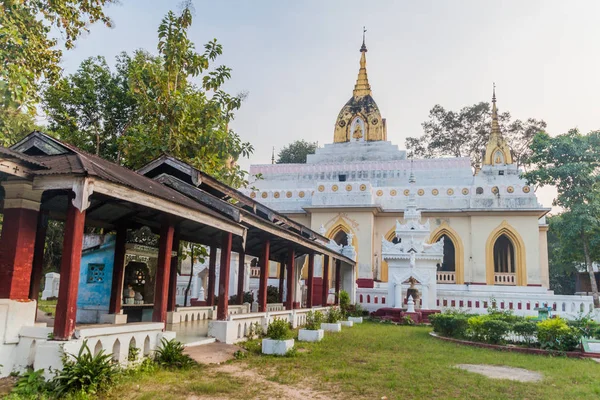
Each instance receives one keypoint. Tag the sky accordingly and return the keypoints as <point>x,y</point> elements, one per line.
<point>298,60</point>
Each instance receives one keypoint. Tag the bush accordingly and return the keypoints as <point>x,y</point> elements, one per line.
<point>449,324</point>
<point>84,372</point>
<point>279,329</point>
<point>555,334</point>
<point>527,329</point>
<point>475,328</point>
<point>355,310</point>
<point>272,294</point>
<point>313,320</point>
<point>31,385</point>
<point>494,330</point>
<point>585,326</point>
<point>344,303</point>
<point>333,316</point>
<point>248,298</point>
<point>170,355</point>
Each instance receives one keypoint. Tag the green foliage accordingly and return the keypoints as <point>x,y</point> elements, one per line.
<point>255,329</point>
<point>133,353</point>
<point>562,257</point>
<point>527,329</point>
<point>465,133</point>
<point>296,152</point>
<point>84,372</point>
<point>239,355</point>
<point>355,310</point>
<point>247,298</point>
<point>171,355</point>
<point>15,125</point>
<point>279,329</point>
<point>272,294</point>
<point>449,324</point>
<point>28,46</point>
<point>333,316</point>
<point>252,346</point>
<point>31,384</point>
<point>585,326</point>
<point>495,330</point>
<point>555,334</point>
<point>406,320</point>
<point>314,320</point>
<point>344,303</point>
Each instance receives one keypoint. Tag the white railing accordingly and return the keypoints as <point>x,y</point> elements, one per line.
<point>236,309</point>
<point>254,272</point>
<point>446,277</point>
<point>185,314</point>
<point>372,299</point>
<point>505,279</point>
<point>275,307</point>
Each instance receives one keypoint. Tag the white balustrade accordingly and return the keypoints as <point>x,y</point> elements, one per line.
<point>505,279</point>
<point>446,277</point>
<point>275,307</point>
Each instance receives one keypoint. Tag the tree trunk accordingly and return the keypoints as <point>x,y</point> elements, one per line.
<point>187,289</point>
<point>590,268</point>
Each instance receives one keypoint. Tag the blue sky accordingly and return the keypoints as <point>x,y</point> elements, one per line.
<point>298,60</point>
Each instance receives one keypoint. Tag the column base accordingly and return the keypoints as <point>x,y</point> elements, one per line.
<point>113,319</point>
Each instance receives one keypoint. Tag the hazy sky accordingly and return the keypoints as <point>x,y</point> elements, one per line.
<point>298,60</point>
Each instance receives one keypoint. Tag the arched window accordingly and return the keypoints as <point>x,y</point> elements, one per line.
<point>341,238</point>
<point>504,255</point>
<point>449,263</point>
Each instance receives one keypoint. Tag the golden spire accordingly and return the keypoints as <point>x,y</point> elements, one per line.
<point>497,151</point>
<point>362,87</point>
<point>495,124</point>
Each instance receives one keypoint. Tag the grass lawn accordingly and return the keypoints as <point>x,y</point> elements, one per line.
<point>370,361</point>
<point>47,306</point>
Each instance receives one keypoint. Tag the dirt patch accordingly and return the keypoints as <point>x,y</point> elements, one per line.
<point>499,372</point>
<point>270,390</point>
<point>7,384</point>
<point>214,353</point>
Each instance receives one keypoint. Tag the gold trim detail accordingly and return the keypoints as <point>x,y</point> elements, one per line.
<point>406,192</point>
<point>393,192</point>
<point>420,192</point>
<point>465,191</point>
<point>301,194</point>
<point>435,192</point>
<point>379,193</point>
<point>495,190</point>
<point>363,187</point>
<point>526,189</point>
<point>348,188</point>
<point>321,188</point>
<point>264,195</point>
<point>288,194</point>
<point>276,195</point>
<point>510,189</point>
<point>450,192</point>
<point>252,195</point>
<point>334,188</point>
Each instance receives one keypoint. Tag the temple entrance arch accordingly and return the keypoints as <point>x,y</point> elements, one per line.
<point>454,253</point>
<point>505,257</point>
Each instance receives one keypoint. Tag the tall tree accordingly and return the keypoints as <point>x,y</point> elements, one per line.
<point>177,116</point>
<point>28,51</point>
<point>465,134</point>
<point>296,152</point>
<point>15,125</point>
<point>571,163</point>
<point>92,107</point>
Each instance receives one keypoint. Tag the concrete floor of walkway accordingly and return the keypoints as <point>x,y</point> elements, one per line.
<point>214,353</point>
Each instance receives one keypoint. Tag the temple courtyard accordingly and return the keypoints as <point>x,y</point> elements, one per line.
<point>404,362</point>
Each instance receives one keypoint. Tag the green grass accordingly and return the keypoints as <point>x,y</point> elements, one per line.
<point>373,360</point>
<point>47,306</point>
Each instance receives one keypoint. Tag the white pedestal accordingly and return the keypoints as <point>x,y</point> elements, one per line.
<point>356,320</point>
<point>348,324</point>
<point>307,335</point>
<point>277,347</point>
<point>331,327</point>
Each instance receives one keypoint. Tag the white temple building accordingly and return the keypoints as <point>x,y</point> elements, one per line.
<point>492,225</point>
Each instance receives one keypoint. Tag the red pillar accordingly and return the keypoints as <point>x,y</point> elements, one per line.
<point>291,279</point>
<point>311,274</point>
<point>222,309</point>
<point>281,278</point>
<point>16,252</point>
<point>212,267</point>
<point>241,275</point>
<point>172,303</point>
<point>38,256</point>
<point>264,275</point>
<point>338,276</point>
<point>325,280</point>
<point>66,308</point>
<point>116,292</point>
<point>163,267</point>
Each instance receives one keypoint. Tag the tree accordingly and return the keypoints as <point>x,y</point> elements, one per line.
<point>465,134</point>
<point>178,117</point>
<point>28,52</point>
<point>296,152</point>
<point>15,125</point>
<point>92,107</point>
<point>571,163</point>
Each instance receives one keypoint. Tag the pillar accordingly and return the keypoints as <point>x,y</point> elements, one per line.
<point>398,303</point>
<point>291,280</point>
<point>241,275</point>
<point>66,308</point>
<point>212,270</point>
<point>325,280</point>
<point>17,242</point>
<point>38,256</point>
<point>281,279</point>
<point>222,309</point>
<point>116,292</point>
<point>264,275</point>
<point>311,274</point>
<point>163,268</point>
<point>338,278</point>
<point>172,303</point>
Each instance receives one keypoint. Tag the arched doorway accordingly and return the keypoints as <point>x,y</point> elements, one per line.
<point>505,257</point>
<point>504,261</point>
<point>452,268</point>
<point>449,263</point>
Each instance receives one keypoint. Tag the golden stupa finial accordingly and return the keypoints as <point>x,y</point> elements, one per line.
<point>273,156</point>
<point>495,124</point>
<point>362,87</point>
<point>497,151</point>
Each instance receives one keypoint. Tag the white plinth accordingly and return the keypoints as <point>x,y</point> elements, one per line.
<point>277,347</point>
<point>331,327</point>
<point>307,335</point>
<point>348,324</point>
<point>356,320</point>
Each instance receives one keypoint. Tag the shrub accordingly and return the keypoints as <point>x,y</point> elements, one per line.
<point>279,329</point>
<point>272,294</point>
<point>527,329</point>
<point>494,330</point>
<point>333,315</point>
<point>255,329</point>
<point>84,372</point>
<point>170,355</point>
<point>313,320</point>
<point>555,334</point>
<point>475,328</point>
<point>31,385</point>
<point>344,303</point>
<point>449,324</point>
<point>406,320</point>
<point>356,310</point>
<point>133,353</point>
<point>585,326</point>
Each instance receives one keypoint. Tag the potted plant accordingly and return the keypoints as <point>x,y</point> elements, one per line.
<point>332,319</point>
<point>311,331</point>
<point>279,338</point>
<point>355,314</point>
<point>345,308</point>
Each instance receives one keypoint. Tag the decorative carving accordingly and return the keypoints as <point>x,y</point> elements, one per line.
<point>363,187</point>
<point>526,189</point>
<point>301,195</point>
<point>465,191</point>
<point>495,190</point>
<point>264,195</point>
<point>435,192</point>
<point>406,192</point>
<point>252,195</point>
<point>321,188</point>
<point>276,195</point>
<point>393,192</point>
<point>420,192</point>
<point>510,189</point>
<point>450,192</point>
<point>288,194</point>
<point>348,188</point>
<point>379,193</point>
<point>334,188</point>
